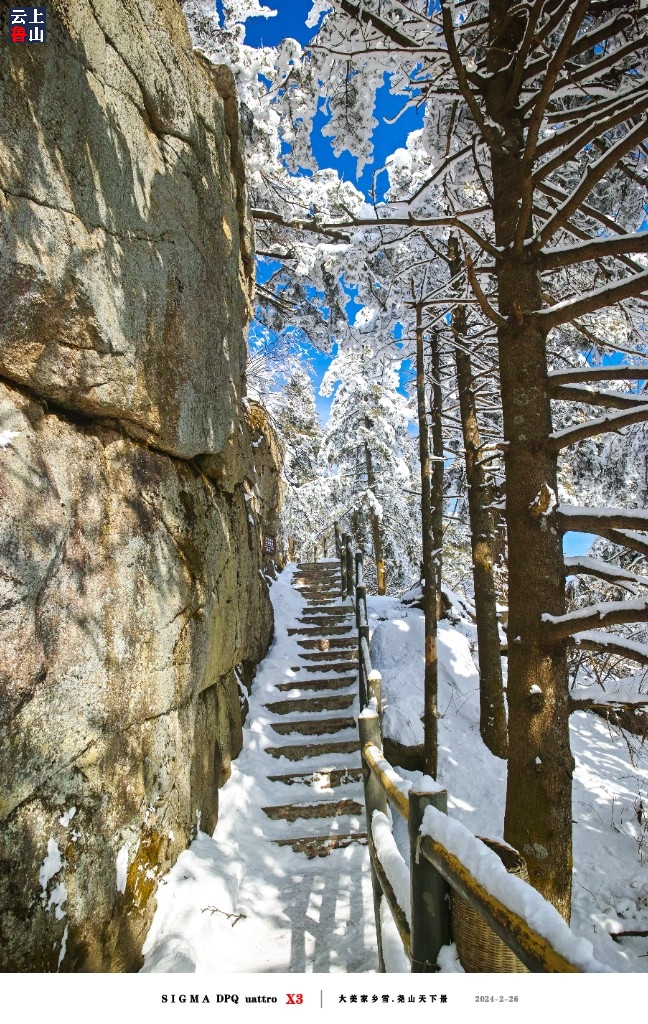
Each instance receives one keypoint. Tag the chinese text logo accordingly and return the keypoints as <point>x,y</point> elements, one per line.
<point>27,25</point>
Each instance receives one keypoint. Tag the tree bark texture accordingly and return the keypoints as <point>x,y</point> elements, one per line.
<point>431,710</point>
<point>438,466</point>
<point>538,816</point>
<point>492,708</point>
<point>375,522</point>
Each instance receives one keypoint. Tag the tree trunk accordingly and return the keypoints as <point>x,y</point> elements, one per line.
<point>431,710</point>
<point>438,467</point>
<point>538,817</point>
<point>492,709</point>
<point>375,523</point>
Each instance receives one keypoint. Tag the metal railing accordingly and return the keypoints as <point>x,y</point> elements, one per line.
<point>424,922</point>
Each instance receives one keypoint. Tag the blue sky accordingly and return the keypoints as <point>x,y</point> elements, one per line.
<point>290,22</point>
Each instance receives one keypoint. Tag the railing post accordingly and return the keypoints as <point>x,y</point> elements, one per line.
<point>343,565</point>
<point>374,688</point>
<point>349,568</point>
<point>430,907</point>
<point>375,800</point>
<point>359,625</point>
<point>338,541</point>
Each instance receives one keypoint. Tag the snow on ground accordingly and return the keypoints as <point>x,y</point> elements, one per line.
<point>610,892</point>
<point>236,903</point>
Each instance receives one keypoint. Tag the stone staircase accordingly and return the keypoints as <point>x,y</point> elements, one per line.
<point>316,724</point>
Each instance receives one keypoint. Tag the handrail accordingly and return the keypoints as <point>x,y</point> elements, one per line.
<point>532,949</point>
<point>353,586</point>
<point>385,775</point>
<point>397,912</point>
<point>535,952</point>
<point>434,868</point>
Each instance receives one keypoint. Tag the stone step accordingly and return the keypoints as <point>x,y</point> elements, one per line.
<point>336,683</point>
<point>304,751</point>
<point>321,846</point>
<point>323,809</point>
<point>334,564</point>
<point>334,644</point>
<point>314,726</point>
<point>316,583</point>
<point>323,778</point>
<point>321,631</point>
<point>315,580</point>
<point>328,612</point>
<point>333,702</point>
<point>336,666</point>
<point>332,617</point>
<point>326,587</point>
<point>331,655</point>
<point>339,605</point>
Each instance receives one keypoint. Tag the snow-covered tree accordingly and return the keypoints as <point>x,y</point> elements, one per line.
<point>532,152</point>
<point>306,511</point>
<point>535,128</point>
<point>367,445</point>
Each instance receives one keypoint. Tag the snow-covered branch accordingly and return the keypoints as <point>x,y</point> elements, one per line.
<point>590,302</point>
<point>585,519</point>
<point>607,613</point>
<point>580,565</point>
<point>595,171</point>
<point>610,643</point>
<point>614,421</point>
<point>594,249</point>
<point>595,396</point>
<point>556,378</point>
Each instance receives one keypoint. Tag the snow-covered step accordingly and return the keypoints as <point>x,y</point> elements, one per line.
<point>306,751</point>
<point>313,726</point>
<point>333,563</point>
<point>329,643</point>
<point>321,846</point>
<point>332,630</point>
<point>332,702</point>
<point>332,683</point>
<point>332,654</point>
<point>329,610</point>
<point>321,778</point>
<point>326,617</point>
<point>321,809</point>
<point>323,667</point>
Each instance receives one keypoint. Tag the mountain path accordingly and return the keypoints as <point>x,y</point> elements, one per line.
<point>316,729</point>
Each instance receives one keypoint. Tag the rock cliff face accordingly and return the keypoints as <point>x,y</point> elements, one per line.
<point>133,498</point>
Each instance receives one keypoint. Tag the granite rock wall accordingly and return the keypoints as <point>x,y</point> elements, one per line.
<point>133,498</point>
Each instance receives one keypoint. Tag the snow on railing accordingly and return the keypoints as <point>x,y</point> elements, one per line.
<point>353,586</point>
<point>444,854</point>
